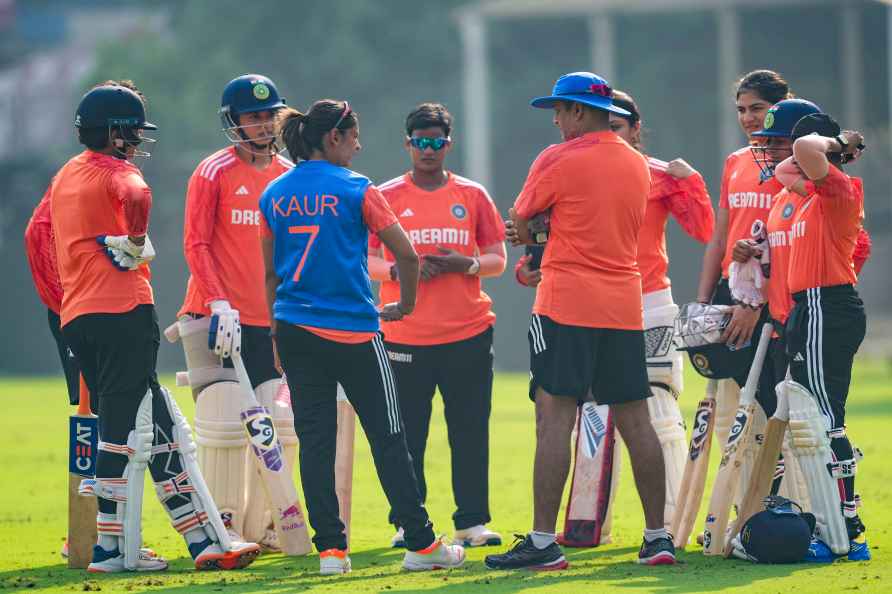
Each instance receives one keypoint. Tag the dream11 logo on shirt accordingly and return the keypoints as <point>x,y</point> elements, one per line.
<point>750,200</point>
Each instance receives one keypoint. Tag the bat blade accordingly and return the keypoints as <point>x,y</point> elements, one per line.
<point>693,482</point>
<point>83,432</point>
<point>287,512</point>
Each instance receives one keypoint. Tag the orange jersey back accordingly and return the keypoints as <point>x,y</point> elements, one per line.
<point>86,202</point>
<point>596,187</point>
<point>746,198</point>
<point>779,228</point>
<point>688,201</point>
<point>825,231</point>
<point>459,216</point>
<point>220,237</point>
<point>40,247</point>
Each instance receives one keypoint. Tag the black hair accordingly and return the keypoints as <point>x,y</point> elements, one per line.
<point>302,132</point>
<point>625,101</point>
<point>429,115</point>
<point>767,84</point>
<point>97,139</point>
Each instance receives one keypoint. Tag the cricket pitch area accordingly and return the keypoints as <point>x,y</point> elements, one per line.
<point>33,514</point>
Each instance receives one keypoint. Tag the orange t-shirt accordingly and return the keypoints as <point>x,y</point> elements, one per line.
<point>40,247</point>
<point>88,198</point>
<point>459,216</point>
<point>825,231</point>
<point>746,197</point>
<point>596,187</point>
<point>220,235</point>
<point>688,201</point>
<point>779,226</point>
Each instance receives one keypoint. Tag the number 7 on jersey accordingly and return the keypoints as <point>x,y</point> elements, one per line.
<point>313,231</point>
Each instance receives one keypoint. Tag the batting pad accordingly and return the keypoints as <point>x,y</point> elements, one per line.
<point>668,424</point>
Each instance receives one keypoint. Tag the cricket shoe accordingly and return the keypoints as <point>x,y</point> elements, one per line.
<point>438,555</point>
<point>334,562</point>
<point>399,540</point>
<point>858,550</point>
<point>113,561</point>
<point>208,555</point>
<point>477,536</point>
<point>659,551</point>
<point>525,555</point>
<point>818,552</point>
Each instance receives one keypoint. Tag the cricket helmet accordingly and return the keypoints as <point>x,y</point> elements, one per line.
<point>779,123</point>
<point>698,330</point>
<point>248,93</point>
<point>779,534</point>
<point>112,106</point>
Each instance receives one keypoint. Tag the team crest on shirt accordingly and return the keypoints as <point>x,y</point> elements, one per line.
<point>459,211</point>
<point>788,211</point>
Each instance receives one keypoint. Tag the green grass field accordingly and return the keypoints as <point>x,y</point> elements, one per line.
<point>33,515</point>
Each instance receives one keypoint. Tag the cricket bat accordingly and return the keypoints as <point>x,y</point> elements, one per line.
<point>344,460</point>
<point>588,508</point>
<point>739,440</point>
<point>83,442</point>
<point>693,481</point>
<point>766,463</point>
<point>287,512</point>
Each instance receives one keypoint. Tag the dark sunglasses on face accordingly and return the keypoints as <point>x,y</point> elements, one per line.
<point>424,143</point>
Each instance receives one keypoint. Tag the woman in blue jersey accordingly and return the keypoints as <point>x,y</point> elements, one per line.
<point>316,222</point>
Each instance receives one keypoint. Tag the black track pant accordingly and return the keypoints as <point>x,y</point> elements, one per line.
<point>314,366</point>
<point>823,334</point>
<point>462,371</point>
<point>66,356</point>
<point>117,354</point>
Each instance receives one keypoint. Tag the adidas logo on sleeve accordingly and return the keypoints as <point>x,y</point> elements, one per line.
<point>242,191</point>
<point>407,213</point>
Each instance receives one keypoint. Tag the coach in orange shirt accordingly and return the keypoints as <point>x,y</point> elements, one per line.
<point>447,342</point>
<point>100,207</point>
<point>827,322</point>
<point>586,334</point>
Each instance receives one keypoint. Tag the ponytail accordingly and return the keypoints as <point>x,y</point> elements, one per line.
<point>289,122</point>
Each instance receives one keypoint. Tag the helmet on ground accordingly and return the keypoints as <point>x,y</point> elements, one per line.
<point>779,534</point>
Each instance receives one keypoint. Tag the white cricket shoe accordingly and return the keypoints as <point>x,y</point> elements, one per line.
<point>399,540</point>
<point>113,561</point>
<point>437,556</point>
<point>241,554</point>
<point>334,562</point>
<point>477,536</point>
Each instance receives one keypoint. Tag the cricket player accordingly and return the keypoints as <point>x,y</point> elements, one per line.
<point>586,334</point>
<point>827,322</point>
<point>447,342</point>
<point>223,253</point>
<point>315,223</point>
<point>100,208</point>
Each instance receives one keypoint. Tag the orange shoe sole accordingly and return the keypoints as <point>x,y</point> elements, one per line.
<point>227,560</point>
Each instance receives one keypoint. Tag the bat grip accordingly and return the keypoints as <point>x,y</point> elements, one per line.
<point>83,401</point>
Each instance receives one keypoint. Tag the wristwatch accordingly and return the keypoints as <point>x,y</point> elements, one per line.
<point>842,142</point>
<point>474,268</point>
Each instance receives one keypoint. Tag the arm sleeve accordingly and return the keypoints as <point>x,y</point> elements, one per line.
<point>490,227</point>
<point>201,213</point>
<point>862,250</point>
<point>539,191</point>
<point>136,198</point>
<point>376,211</point>
<point>692,208</point>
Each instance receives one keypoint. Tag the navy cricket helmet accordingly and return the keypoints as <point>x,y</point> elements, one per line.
<point>698,330</point>
<point>779,534</point>
<point>110,106</point>
<point>779,123</point>
<point>248,93</point>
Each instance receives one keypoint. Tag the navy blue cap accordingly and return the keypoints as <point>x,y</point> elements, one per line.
<point>111,105</point>
<point>581,87</point>
<point>250,93</point>
<point>782,117</point>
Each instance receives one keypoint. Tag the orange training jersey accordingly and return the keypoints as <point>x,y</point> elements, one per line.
<point>779,228</point>
<point>688,201</point>
<point>459,216</point>
<point>88,198</point>
<point>745,198</point>
<point>825,231</point>
<point>40,247</point>
<point>220,237</point>
<point>596,187</point>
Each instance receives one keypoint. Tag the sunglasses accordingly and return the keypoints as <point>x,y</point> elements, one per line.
<point>347,111</point>
<point>425,143</point>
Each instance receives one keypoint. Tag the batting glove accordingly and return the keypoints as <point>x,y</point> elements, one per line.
<point>225,335</point>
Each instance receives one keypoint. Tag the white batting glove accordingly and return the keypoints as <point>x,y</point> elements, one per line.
<point>125,254</point>
<point>746,281</point>
<point>225,335</point>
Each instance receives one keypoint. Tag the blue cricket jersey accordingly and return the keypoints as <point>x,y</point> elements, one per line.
<point>321,247</point>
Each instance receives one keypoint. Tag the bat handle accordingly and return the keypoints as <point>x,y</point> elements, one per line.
<point>83,401</point>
